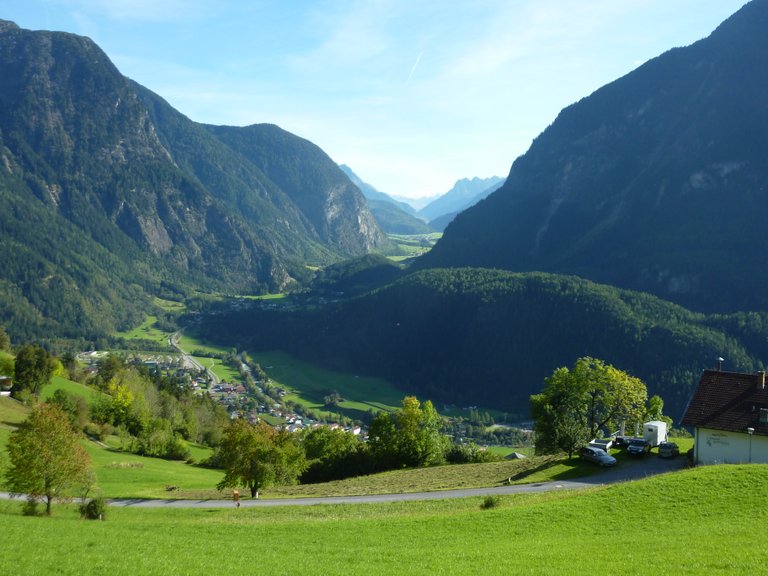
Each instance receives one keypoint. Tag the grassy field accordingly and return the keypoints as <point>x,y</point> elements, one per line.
<point>59,383</point>
<point>124,475</point>
<point>410,246</point>
<point>700,521</point>
<point>307,385</point>
<point>146,331</point>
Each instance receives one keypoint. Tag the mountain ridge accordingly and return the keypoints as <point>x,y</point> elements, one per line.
<point>654,182</point>
<point>183,206</point>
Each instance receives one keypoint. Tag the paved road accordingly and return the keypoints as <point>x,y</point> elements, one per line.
<point>189,360</point>
<point>627,470</point>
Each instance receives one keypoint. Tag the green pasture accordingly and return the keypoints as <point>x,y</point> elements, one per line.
<point>11,412</point>
<point>191,344</point>
<point>409,246</point>
<point>146,331</point>
<point>307,385</point>
<point>124,475</point>
<point>700,521</point>
<point>60,383</point>
<point>169,305</point>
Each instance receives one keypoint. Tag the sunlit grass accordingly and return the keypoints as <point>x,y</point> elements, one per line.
<point>700,521</point>
<point>307,385</point>
<point>146,331</point>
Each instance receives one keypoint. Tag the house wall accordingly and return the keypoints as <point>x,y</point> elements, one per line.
<point>720,447</point>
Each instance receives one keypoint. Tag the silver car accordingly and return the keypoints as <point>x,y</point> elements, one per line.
<point>668,450</point>
<point>597,456</point>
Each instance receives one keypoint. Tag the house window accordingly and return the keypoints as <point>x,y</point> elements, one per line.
<point>763,415</point>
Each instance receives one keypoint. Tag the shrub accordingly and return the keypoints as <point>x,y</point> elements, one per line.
<point>470,454</point>
<point>490,502</point>
<point>94,509</point>
<point>30,508</point>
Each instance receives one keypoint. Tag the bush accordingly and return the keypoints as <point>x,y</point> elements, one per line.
<point>94,509</point>
<point>30,508</point>
<point>98,431</point>
<point>490,502</point>
<point>470,454</point>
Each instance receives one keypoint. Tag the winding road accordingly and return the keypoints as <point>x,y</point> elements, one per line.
<point>627,470</point>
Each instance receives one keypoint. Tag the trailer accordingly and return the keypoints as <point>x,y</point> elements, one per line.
<point>655,432</point>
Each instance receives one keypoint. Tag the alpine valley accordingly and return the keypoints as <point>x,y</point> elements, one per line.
<point>632,230</point>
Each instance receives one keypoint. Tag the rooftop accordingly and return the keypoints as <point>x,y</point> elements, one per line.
<point>729,401</point>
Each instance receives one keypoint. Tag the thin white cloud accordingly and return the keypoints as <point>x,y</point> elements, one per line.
<point>413,68</point>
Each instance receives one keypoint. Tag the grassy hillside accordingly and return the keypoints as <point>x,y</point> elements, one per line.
<point>120,474</point>
<point>694,522</point>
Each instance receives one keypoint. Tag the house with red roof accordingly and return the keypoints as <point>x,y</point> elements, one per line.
<point>729,414</point>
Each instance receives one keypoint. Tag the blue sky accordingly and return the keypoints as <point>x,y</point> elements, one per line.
<point>413,95</point>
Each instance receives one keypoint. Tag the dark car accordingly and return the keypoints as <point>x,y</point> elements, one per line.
<point>638,447</point>
<point>597,456</point>
<point>668,450</point>
<point>621,441</point>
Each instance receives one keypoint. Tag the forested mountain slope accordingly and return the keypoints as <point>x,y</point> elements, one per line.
<point>656,182</point>
<point>490,337</point>
<point>109,194</point>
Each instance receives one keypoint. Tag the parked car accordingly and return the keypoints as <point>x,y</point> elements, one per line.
<point>621,441</point>
<point>597,456</point>
<point>668,450</point>
<point>638,447</point>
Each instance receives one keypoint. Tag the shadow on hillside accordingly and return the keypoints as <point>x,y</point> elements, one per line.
<point>523,474</point>
<point>573,468</point>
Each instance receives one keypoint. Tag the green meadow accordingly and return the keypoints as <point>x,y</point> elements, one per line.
<point>700,521</point>
<point>59,383</point>
<point>307,385</point>
<point>146,331</point>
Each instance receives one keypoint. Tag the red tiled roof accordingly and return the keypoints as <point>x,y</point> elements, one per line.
<point>728,401</point>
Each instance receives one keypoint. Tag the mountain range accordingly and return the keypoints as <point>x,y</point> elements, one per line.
<point>465,193</point>
<point>394,216</point>
<point>108,194</point>
<point>655,182</point>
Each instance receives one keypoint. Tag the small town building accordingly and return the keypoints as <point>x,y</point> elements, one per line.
<point>729,414</point>
<point>6,383</point>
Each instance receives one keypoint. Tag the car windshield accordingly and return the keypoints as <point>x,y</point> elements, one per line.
<point>637,443</point>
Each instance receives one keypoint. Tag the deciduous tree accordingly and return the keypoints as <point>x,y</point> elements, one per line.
<point>410,437</point>
<point>33,369</point>
<point>46,458</point>
<point>577,403</point>
<point>258,456</point>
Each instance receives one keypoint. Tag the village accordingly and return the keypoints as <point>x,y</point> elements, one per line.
<point>254,397</point>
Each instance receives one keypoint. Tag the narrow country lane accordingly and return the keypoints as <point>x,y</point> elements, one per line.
<point>626,471</point>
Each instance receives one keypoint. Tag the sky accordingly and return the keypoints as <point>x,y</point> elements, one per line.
<point>412,95</point>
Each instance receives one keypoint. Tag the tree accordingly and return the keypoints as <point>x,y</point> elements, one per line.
<point>410,437</point>
<point>257,456</point>
<point>33,369</point>
<point>577,403</point>
<point>5,340</point>
<point>73,405</point>
<point>46,458</point>
<point>559,415</point>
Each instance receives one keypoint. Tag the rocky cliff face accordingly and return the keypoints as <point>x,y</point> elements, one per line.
<point>177,204</point>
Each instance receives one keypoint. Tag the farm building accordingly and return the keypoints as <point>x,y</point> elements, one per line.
<point>729,414</point>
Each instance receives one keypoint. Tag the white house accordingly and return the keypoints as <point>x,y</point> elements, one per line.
<point>729,414</point>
